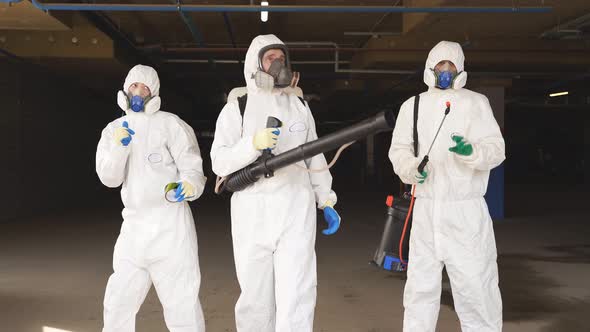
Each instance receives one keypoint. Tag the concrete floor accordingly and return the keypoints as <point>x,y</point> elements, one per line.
<point>53,271</point>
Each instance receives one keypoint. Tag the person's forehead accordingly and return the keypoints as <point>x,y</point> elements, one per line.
<point>141,85</point>
<point>275,52</point>
<point>445,62</point>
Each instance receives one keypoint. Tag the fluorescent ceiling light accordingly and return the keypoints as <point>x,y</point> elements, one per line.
<point>264,15</point>
<point>557,94</point>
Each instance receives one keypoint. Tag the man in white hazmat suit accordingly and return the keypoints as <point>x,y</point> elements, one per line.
<point>451,223</point>
<point>273,220</point>
<point>145,151</point>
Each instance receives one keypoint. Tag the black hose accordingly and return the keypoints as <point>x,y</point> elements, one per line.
<point>241,179</point>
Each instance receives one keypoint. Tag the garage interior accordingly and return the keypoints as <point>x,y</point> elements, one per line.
<point>62,63</point>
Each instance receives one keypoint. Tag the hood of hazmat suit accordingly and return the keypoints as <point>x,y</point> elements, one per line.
<point>441,52</point>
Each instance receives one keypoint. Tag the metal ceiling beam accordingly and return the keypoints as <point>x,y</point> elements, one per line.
<point>192,28</point>
<point>126,48</point>
<point>284,9</point>
<point>230,31</point>
<point>572,27</point>
<point>127,51</point>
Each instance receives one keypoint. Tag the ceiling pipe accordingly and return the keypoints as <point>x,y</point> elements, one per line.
<point>284,9</point>
<point>12,56</point>
<point>347,49</point>
<point>309,47</point>
<point>230,30</point>
<point>371,34</point>
<point>509,74</point>
<point>191,25</point>
<point>337,68</point>
<point>127,50</point>
<point>383,17</point>
<point>131,53</point>
<point>192,28</point>
<point>319,62</point>
<point>334,48</point>
<point>572,27</point>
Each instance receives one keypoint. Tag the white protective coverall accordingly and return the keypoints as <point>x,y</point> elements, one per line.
<point>158,241</point>
<point>274,220</point>
<point>451,223</point>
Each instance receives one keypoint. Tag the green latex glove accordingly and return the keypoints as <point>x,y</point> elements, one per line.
<point>421,177</point>
<point>462,148</point>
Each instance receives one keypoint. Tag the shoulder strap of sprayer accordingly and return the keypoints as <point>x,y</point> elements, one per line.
<point>242,100</point>
<point>301,100</point>
<point>242,104</point>
<point>416,104</point>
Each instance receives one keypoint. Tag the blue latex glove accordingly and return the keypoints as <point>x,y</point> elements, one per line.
<point>124,134</point>
<point>183,191</point>
<point>333,220</point>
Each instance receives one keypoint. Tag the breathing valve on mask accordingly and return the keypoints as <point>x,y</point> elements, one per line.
<point>137,103</point>
<point>444,79</point>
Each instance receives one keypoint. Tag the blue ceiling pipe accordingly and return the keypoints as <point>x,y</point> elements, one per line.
<point>285,9</point>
